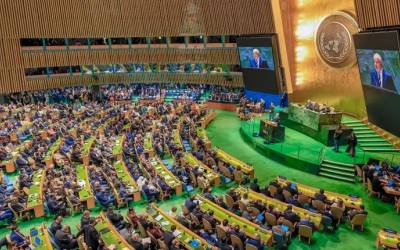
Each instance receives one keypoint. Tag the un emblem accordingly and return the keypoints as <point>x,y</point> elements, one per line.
<point>334,41</point>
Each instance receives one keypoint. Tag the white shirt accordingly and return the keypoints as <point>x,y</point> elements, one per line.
<point>380,78</point>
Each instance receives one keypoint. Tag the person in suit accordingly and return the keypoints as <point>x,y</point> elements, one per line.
<point>169,236</point>
<point>321,196</point>
<point>254,186</point>
<point>257,61</point>
<point>56,225</point>
<point>65,239</point>
<point>352,143</point>
<point>380,77</point>
<point>307,222</point>
<point>91,235</point>
<point>256,242</point>
<point>290,215</point>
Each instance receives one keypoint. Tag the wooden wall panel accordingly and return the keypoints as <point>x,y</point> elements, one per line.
<point>161,56</point>
<point>119,18</point>
<point>377,13</point>
<point>34,84</point>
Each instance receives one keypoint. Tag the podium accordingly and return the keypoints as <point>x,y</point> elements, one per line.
<point>272,131</point>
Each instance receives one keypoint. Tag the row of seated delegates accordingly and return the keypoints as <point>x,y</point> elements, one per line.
<point>324,108</point>
<point>63,238</point>
<point>102,174</point>
<point>120,92</point>
<point>152,229</point>
<point>150,91</point>
<point>31,157</point>
<point>247,107</point>
<point>290,195</point>
<point>225,94</point>
<point>61,188</point>
<point>210,234</point>
<point>65,95</point>
<point>380,176</point>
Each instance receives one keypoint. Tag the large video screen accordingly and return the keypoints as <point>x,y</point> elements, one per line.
<point>256,58</point>
<point>258,61</point>
<point>379,66</point>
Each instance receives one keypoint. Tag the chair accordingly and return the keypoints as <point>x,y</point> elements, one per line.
<point>238,176</point>
<point>358,220</point>
<point>254,211</point>
<point>162,245</point>
<point>397,204</point>
<point>81,243</point>
<point>289,224</point>
<point>287,195</point>
<point>359,172</point>
<point>327,221</point>
<point>337,213</point>
<point>272,190</point>
<point>202,185</point>
<point>279,240</point>
<point>226,172</point>
<point>221,234</point>
<point>143,233</point>
<point>153,238</point>
<point>270,219</point>
<point>303,199</point>
<point>194,219</point>
<point>250,247</point>
<point>236,242</point>
<point>229,201</point>
<point>185,210</point>
<point>305,232</point>
<point>371,191</point>
<point>207,225</point>
<point>242,206</point>
<point>319,205</point>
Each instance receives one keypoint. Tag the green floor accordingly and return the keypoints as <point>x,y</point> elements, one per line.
<point>224,133</point>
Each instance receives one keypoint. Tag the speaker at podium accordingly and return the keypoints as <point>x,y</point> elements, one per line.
<point>272,131</point>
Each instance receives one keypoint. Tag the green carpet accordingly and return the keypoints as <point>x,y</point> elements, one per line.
<point>224,133</point>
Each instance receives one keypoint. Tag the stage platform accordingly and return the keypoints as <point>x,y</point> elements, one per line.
<point>305,153</point>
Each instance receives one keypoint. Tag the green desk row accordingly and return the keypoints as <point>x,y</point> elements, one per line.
<point>248,227</point>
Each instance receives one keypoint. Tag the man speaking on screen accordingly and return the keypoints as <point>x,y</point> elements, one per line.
<point>258,62</point>
<point>380,77</point>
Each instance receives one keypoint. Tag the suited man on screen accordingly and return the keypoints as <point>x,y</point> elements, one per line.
<point>257,61</point>
<point>380,77</point>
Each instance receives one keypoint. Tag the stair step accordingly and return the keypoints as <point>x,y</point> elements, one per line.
<point>382,150</point>
<point>336,177</point>
<point>361,129</point>
<point>338,163</point>
<point>352,122</point>
<point>361,125</point>
<point>369,136</point>
<point>372,146</point>
<point>375,144</point>
<point>375,140</point>
<point>338,168</point>
<point>336,172</point>
<point>364,132</point>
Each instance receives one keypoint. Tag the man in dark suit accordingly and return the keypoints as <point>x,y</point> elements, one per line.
<point>65,239</point>
<point>257,61</point>
<point>169,236</point>
<point>290,215</point>
<point>380,77</point>
<point>91,235</point>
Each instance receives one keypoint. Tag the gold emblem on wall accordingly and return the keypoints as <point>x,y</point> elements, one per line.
<point>334,40</point>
